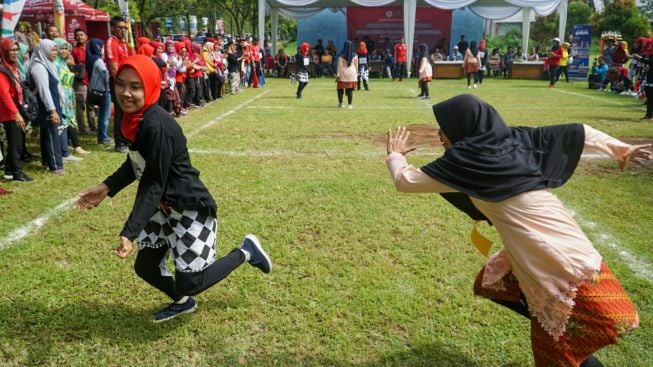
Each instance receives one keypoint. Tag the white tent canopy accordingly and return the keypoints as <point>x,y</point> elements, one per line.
<point>488,9</point>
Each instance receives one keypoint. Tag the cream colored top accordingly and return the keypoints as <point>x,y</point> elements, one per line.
<point>347,73</point>
<point>544,247</point>
<point>425,69</point>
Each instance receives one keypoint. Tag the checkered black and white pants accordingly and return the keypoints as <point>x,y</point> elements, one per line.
<point>190,237</point>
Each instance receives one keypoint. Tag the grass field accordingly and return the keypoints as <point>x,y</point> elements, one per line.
<point>363,275</point>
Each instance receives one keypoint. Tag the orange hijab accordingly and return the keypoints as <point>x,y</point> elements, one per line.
<point>362,48</point>
<point>150,76</point>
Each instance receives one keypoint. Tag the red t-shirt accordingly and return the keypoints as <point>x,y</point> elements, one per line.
<point>256,52</point>
<point>400,52</point>
<point>115,51</point>
<point>79,55</point>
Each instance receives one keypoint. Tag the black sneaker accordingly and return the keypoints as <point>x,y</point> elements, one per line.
<point>175,309</point>
<point>20,176</point>
<point>258,258</point>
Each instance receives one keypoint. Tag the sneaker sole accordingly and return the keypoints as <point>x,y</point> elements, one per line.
<point>190,310</point>
<point>260,249</point>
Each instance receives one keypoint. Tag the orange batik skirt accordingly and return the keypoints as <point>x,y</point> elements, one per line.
<point>347,85</point>
<point>602,315</point>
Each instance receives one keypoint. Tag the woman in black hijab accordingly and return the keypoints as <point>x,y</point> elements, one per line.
<point>347,74</point>
<point>548,270</point>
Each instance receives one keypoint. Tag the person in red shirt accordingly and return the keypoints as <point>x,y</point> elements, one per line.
<point>555,54</point>
<point>257,69</point>
<point>84,112</point>
<point>115,51</point>
<point>401,59</point>
<point>11,95</point>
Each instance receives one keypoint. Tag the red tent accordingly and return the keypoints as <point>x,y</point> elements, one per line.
<point>78,15</point>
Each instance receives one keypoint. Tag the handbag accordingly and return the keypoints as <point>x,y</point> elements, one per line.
<point>96,97</point>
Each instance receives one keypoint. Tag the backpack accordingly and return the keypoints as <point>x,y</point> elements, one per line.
<point>29,109</point>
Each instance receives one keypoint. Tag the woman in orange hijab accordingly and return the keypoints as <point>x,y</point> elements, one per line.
<point>173,211</point>
<point>302,60</point>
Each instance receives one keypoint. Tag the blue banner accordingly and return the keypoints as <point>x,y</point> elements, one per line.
<point>580,50</point>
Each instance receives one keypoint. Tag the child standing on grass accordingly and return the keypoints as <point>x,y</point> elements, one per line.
<point>302,60</point>
<point>347,74</point>
<point>173,211</point>
<point>425,71</point>
<point>548,270</point>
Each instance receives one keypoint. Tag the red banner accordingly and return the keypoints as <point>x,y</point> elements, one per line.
<point>73,22</point>
<point>432,25</point>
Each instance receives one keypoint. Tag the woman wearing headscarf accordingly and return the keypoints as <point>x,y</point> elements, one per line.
<point>363,66</point>
<point>234,59</point>
<point>208,55</point>
<point>11,97</point>
<point>424,70</point>
<point>347,74</point>
<point>144,47</point>
<point>173,212</point>
<point>99,84</point>
<point>302,61</point>
<point>68,103</point>
<point>564,61</point>
<point>548,270</point>
<point>553,60</point>
<point>180,75</point>
<point>471,63</point>
<point>43,74</point>
<point>482,56</point>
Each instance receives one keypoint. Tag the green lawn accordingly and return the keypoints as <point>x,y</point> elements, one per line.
<point>363,275</point>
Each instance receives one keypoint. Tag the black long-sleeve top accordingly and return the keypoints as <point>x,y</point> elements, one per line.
<point>166,174</point>
<point>233,62</point>
<point>299,63</point>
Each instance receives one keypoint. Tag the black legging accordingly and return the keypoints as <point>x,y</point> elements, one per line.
<point>469,77</point>
<point>480,74</point>
<point>425,88</point>
<point>184,283</point>
<point>15,143</point>
<point>649,101</point>
<point>521,308</point>
<point>300,88</point>
<point>553,74</point>
<point>350,95</point>
<point>216,85</point>
<point>72,136</point>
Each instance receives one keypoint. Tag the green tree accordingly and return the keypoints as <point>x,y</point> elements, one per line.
<point>544,29</point>
<point>622,16</point>
<point>647,8</point>
<point>578,12</point>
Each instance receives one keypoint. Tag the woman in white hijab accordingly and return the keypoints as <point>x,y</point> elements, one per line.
<point>43,75</point>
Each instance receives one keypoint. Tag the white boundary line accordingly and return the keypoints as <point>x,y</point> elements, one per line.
<point>603,100</point>
<point>24,231</point>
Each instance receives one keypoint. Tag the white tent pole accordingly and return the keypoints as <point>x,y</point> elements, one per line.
<point>275,29</point>
<point>562,25</point>
<point>410,7</point>
<point>525,28</point>
<point>261,21</point>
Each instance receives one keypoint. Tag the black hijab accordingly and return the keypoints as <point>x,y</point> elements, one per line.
<point>491,161</point>
<point>347,52</point>
<point>423,51</point>
<point>93,53</point>
<point>473,49</point>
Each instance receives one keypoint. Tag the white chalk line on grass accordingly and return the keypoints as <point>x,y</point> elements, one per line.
<point>603,100</point>
<point>639,267</point>
<point>24,231</point>
<point>228,113</point>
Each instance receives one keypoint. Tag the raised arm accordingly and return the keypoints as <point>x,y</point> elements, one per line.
<point>406,177</point>
<point>621,152</point>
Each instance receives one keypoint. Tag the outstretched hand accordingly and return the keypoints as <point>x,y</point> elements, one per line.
<point>90,198</point>
<point>397,143</point>
<point>637,155</point>
<point>124,249</point>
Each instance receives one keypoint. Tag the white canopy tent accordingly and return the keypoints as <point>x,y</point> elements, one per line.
<point>488,9</point>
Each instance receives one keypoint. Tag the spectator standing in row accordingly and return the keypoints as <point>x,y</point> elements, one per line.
<point>425,71</point>
<point>234,60</point>
<point>363,66</point>
<point>115,51</point>
<point>347,74</point>
<point>462,44</point>
<point>401,58</point>
<point>555,54</point>
<point>11,95</point>
<point>43,74</point>
<point>302,61</point>
<point>99,84</point>
<point>281,63</point>
<point>471,64</point>
<point>85,113</point>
